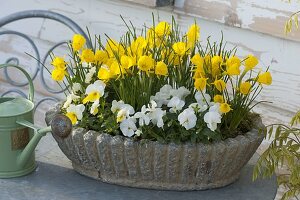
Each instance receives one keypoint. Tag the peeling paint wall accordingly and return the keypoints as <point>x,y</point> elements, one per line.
<point>267,16</point>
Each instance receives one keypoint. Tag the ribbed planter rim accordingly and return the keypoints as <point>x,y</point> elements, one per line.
<point>150,164</point>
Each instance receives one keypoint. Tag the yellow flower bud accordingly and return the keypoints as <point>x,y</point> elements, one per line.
<point>87,55</point>
<point>265,78</point>
<point>220,85</point>
<point>78,42</point>
<point>218,98</point>
<point>225,108</point>
<point>179,48</point>
<point>197,60</point>
<point>245,88</point>
<point>161,69</point>
<point>200,83</point>
<point>193,35</point>
<point>162,28</point>
<point>250,62</point>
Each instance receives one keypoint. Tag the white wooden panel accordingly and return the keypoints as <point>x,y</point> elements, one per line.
<point>268,16</point>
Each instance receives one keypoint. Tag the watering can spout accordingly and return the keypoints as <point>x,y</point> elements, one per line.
<point>60,125</point>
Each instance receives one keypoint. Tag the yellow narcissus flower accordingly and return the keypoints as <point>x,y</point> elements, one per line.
<point>179,48</point>
<point>78,42</point>
<point>145,63</point>
<point>161,69</point>
<point>220,85</point>
<point>197,60</point>
<point>113,47</point>
<point>216,61</point>
<point>200,83</point>
<point>218,98</point>
<point>116,69</point>
<point>162,28</point>
<point>233,61</point>
<point>174,59</point>
<point>250,62</point>
<point>58,74</point>
<point>193,35</point>
<point>199,73</point>
<point>137,46</point>
<point>101,56</point>
<point>233,70</point>
<point>104,74</point>
<point>225,108</point>
<point>87,55</point>
<point>245,88</point>
<point>126,62</point>
<point>265,78</point>
<point>59,63</point>
<point>94,91</point>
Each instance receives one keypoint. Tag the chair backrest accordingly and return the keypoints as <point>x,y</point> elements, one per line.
<point>40,60</point>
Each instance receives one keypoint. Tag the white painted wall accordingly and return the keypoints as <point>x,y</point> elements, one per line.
<point>102,16</point>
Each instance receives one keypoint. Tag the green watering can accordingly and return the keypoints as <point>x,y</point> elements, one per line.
<point>19,136</point>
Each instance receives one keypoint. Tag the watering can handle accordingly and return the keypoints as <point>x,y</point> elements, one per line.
<point>31,87</point>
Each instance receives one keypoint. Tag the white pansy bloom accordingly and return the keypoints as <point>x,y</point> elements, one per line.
<point>215,107</point>
<point>125,112</point>
<point>142,116</point>
<point>70,98</point>
<point>212,118</point>
<point>85,64</point>
<point>138,132</point>
<point>163,96</point>
<point>181,92</point>
<point>156,116</point>
<point>94,108</point>
<point>128,127</point>
<point>198,108</point>
<point>116,105</point>
<point>175,104</point>
<point>90,75</point>
<point>187,118</point>
<point>76,87</point>
<point>94,91</point>
<point>202,99</point>
<point>77,110</point>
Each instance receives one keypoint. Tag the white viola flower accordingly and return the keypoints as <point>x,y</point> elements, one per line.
<point>90,74</point>
<point>70,98</point>
<point>116,106</point>
<point>76,87</point>
<point>94,108</point>
<point>212,118</point>
<point>163,96</point>
<point>85,64</point>
<point>181,92</point>
<point>202,99</point>
<point>142,116</point>
<point>175,104</point>
<point>128,127</point>
<point>94,91</point>
<point>152,106</point>
<point>215,107</point>
<point>125,112</point>
<point>74,112</point>
<point>187,118</point>
<point>198,108</point>
<point>156,116</point>
<point>138,132</point>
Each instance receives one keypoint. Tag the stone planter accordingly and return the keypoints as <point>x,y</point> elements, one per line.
<point>148,164</point>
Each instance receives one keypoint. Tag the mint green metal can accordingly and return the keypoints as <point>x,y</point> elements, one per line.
<point>19,136</point>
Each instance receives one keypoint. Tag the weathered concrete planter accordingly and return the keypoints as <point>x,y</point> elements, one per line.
<point>148,164</point>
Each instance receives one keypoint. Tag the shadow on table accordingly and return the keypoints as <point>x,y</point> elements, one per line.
<point>59,183</point>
